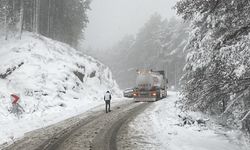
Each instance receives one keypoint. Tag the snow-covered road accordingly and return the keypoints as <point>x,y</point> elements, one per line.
<point>158,129</point>
<point>92,130</point>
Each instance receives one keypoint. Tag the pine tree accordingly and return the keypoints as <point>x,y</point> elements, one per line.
<point>216,75</point>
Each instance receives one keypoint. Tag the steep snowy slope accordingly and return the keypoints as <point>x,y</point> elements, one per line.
<point>54,82</point>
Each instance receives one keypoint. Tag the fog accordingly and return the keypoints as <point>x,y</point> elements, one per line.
<point>110,20</point>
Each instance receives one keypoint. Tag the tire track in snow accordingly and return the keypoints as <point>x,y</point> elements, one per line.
<point>107,140</point>
<point>97,131</point>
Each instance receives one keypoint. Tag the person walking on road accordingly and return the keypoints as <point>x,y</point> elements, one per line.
<point>107,99</point>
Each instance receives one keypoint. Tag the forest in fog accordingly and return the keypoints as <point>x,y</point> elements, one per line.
<point>62,20</point>
<point>158,45</point>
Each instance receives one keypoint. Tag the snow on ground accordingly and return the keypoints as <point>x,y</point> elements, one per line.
<point>54,81</point>
<point>159,129</point>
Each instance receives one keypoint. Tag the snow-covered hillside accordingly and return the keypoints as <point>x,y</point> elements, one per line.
<point>54,81</point>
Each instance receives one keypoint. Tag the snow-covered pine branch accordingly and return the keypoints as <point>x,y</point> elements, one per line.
<point>218,61</point>
<point>245,117</point>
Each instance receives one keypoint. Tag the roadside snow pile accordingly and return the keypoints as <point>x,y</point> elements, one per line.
<point>53,80</point>
<point>163,126</point>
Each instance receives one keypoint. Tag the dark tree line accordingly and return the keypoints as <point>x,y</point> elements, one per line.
<point>63,20</point>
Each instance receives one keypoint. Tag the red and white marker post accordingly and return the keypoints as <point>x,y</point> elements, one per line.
<point>15,98</point>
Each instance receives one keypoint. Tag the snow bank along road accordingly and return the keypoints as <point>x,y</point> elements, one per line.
<point>160,128</point>
<point>94,130</point>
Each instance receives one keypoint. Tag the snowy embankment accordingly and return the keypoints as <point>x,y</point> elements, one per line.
<point>160,128</point>
<point>53,80</point>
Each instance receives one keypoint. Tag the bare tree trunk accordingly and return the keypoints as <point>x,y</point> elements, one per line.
<point>6,27</point>
<point>246,122</point>
<point>48,28</point>
<point>175,76</point>
<point>31,16</point>
<point>13,6</point>
<point>52,32</point>
<point>34,16</point>
<point>37,15</point>
<point>6,21</point>
<point>224,105</point>
<point>21,19</point>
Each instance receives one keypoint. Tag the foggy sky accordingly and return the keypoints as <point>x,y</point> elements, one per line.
<point>110,20</point>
